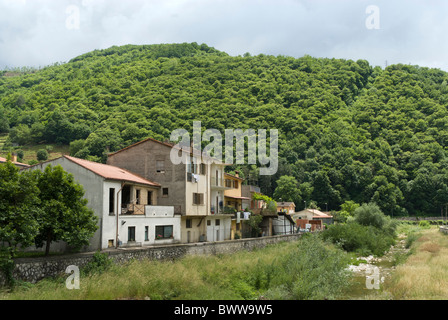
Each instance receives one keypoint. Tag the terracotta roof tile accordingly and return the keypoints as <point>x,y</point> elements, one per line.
<point>111,172</point>
<point>2,160</point>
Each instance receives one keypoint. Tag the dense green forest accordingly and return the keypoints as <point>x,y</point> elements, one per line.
<point>348,130</point>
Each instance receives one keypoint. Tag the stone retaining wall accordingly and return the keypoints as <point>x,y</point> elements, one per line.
<point>35,269</point>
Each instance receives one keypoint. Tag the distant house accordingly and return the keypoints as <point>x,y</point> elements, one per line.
<point>195,189</point>
<point>320,217</point>
<point>125,203</point>
<point>288,207</point>
<point>14,161</point>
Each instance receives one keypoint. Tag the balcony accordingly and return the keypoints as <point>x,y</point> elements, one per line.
<point>222,210</point>
<point>219,183</point>
<point>133,209</point>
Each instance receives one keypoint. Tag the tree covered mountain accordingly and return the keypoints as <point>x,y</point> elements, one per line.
<point>348,131</point>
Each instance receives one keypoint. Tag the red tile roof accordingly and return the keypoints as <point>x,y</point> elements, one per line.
<point>2,160</point>
<point>111,172</point>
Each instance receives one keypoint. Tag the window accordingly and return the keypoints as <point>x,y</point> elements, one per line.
<point>203,168</point>
<point>137,196</point>
<point>131,233</point>
<point>235,184</point>
<point>217,222</point>
<point>189,223</point>
<point>146,233</point>
<point>198,198</point>
<point>160,166</point>
<point>209,222</point>
<point>111,200</point>
<point>149,200</point>
<point>228,183</point>
<point>192,166</point>
<point>164,232</point>
<point>164,192</point>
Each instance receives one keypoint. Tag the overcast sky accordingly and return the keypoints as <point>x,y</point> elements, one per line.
<point>42,32</point>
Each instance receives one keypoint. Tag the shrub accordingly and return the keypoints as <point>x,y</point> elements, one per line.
<point>370,215</point>
<point>363,240</point>
<point>42,155</point>
<point>424,224</point>
<point>99,263</point>
<point>313,270</point>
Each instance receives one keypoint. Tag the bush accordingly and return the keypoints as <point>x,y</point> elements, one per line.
<point>424,224</point>
<point>363,240</point>
<point>42,155</point>
<point>313,270</point>
<point>370,215</point>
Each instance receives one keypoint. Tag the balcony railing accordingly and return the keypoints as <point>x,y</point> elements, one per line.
<point>133,209</point>
<point>222,210</point>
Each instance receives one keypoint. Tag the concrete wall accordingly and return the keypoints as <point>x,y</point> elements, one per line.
<point>35,269</point>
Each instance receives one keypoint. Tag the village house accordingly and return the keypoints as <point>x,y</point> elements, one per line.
<point>125,203</point>
<point>313,218</point>
<point>233,202</point>
<point>258,206</point>
<point>195,189</point>
<point>287,207</point>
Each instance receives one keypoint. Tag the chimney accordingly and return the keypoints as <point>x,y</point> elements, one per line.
<point>237,174</point>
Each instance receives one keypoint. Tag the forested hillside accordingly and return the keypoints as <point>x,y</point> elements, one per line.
<point>348,131</point>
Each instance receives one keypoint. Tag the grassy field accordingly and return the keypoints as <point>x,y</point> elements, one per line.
<point>282,271</point>
<point>424,275</point>
<point>54,151</point>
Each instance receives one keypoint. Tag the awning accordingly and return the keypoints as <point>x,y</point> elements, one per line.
<point>241,198</point>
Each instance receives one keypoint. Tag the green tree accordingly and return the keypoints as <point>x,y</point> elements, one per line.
<point>287,190</point>
<point>19,209</point>
<point>65,215</point>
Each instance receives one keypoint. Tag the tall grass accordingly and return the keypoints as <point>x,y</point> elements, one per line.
<point>424,274</point>
<point>305,269</point>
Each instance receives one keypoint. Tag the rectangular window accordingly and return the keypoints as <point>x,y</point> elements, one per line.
<point>189,223</point>
<point>137,196</point>
<point>149,200</point>
<point>146,233</point>
<point>131,233</point>
<point>164,232</point>
<point>217,222</point>
<point>228,183</point>
<point>198,198</point>
<point>111,200</point>
<point>164,192</point>
<point>209,222</point>
<point>203,169</point>
<point>235,184</point>
<point>160,166</point>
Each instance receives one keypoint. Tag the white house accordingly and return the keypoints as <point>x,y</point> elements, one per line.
<point>125,203</point>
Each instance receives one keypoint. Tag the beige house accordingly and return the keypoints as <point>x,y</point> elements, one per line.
<point>195,189</point>
<point>313,214</point>
<point>233,202</point>
<point>287,207</point>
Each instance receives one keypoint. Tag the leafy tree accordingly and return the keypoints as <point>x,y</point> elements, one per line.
<point>287,190</point>
<point>19,208</point>
<point>65,215</point>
